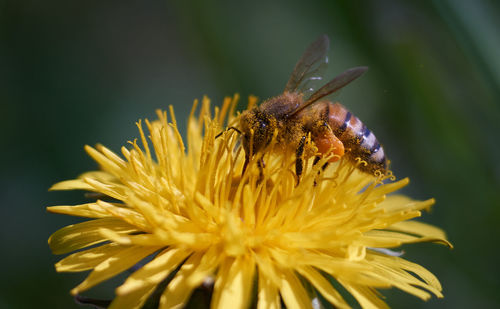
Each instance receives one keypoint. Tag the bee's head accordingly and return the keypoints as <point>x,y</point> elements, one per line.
<point>263,126</point>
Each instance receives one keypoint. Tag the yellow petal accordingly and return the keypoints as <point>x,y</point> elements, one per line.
<point>234,287</point>
<point>126,214</point>
<point>133,300</point>
<point>90,210</point>
<point>397,203</point>
<point>114,190</point>
<point>423,273</point>
<point>178,290</point>
<point>114,265</point>
<point>323,286</point>
<point>88,259</point>
<point>99,175</point>
<point>80,184</point>
<point>139,239</point>
<point>197,241</point>
<point>402,280</point>
<point>268,296</point>
<point>207,266</point>
<point>401,273</point>
<point>293,293</point>
<point>390,239</point>
<point>111,155</point>
<point>420,228</point>
<point>81,235</point>
<point>367,297</point>
<point>266,269</point>
<point>390,187</point>
<point>335,266</point>
<point>153,272</point>
<point>74,184</point>
<point>107,164</point>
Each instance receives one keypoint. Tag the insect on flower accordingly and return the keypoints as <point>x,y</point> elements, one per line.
<point>295,114</point>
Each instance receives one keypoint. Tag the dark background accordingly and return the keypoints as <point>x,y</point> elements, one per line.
<point>82,72</point>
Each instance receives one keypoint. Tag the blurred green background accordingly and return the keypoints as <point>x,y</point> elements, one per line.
<point>82,72</point>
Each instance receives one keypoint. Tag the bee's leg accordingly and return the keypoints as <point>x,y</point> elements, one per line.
<point>299,162</point>
<point>261,166</point>
<point>245,165</point>
<point>316,160</point>
<point>230,128</point>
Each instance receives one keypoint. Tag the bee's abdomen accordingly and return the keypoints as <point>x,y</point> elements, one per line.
<point>358,140</point>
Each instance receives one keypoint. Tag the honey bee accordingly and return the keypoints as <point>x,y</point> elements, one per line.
<point>294,115</point>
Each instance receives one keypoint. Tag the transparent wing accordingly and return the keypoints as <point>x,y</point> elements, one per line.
<point>308,70</point>
<point>334,85</point>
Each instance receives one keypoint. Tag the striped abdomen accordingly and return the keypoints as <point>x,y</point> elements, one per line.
<point>358,140</point>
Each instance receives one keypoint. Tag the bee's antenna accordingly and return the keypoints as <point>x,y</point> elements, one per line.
<point>230,128</point>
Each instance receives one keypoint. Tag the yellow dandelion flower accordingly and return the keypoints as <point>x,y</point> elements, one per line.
<point>188,214</point>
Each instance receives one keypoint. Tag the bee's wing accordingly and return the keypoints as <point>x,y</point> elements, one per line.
<point>309,67</point>
<point>335,84</point>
